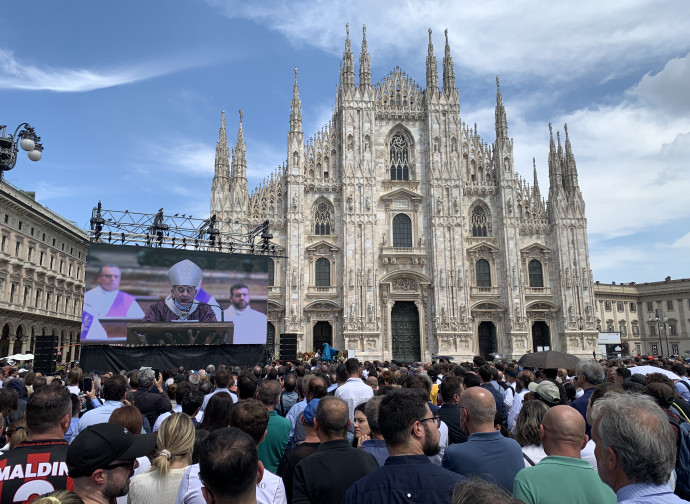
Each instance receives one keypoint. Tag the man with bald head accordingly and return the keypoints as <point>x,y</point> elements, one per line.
<point>486,453</point>
<point>562,476</point>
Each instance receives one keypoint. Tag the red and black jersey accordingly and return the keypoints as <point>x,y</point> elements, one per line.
<point>33,468</point>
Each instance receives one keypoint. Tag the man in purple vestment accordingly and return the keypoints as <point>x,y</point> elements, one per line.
<point>180,303</point>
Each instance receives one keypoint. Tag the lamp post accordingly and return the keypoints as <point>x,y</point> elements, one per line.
<point>660,319</point>
<point>25,137</point>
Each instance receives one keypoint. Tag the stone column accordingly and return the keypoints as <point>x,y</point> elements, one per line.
<point>25,342</point>
<point>10,347</point>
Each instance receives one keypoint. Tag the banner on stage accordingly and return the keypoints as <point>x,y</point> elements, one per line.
<point>166,296</point>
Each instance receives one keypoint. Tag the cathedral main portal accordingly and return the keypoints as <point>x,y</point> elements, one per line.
<point>405,332</point>
<point>487,339</point>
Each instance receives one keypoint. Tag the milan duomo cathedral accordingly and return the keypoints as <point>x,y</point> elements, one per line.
<point>404,235</point>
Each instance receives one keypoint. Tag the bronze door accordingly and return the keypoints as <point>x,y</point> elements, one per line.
<point>405,332</point>
<point>323,333</point>
<point>487,339</point>
<point>541,339</point>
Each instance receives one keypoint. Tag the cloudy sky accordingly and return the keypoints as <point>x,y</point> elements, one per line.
<point>127,98</point>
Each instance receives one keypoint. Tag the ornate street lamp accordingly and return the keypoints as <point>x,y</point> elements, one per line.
<point>24,137</point>
<point>659,319</point>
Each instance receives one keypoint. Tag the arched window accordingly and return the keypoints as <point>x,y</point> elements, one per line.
<point>399,158</point>
<point>323,219</point>
<point>479,221</point>
<point>322,269</point>
<point>271,273</point>
<point>402,231</point>
<point>536,276</point>
<point>483,273</point>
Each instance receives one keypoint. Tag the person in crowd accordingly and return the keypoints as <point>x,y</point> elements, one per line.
<point>589,375</point>
<point>114,390</point>
<point>375,445</point>
<point>621,374</point>
<point>48,414</point>
<point>16,433</point>
<point>101,461</point>
<point>682,386</point>
<point>132,420</point>
<point>354,390</point>
<point>74,378</point>
<point>412,436</point>
<point>191,405</point>
<point>286,468</point>
<point>229,467</point>
<point>247,385</point>
<point>490,384</point>
<point>218,411</point>
<point>524,378</point>
<point>527,431</point>
<point>314,387</point>
<point>107,300</point>
<point>547,392</point>
<point>486,453</point>
<point>635,448</point>
<point>150,397</point>
<point>562,472</point>
<point>250,325</point>
<point>74,422</point>
<point>223,380</point>
<point>479,491</point>
<point>175,441</point>
<point>362,430</point>
<point>58,497</point>
<point>181,389</point>
<point>180,303</point>
<point>289,396</point>
<point>273,447</point>
<point>449,412</point>
<point>326,475</point>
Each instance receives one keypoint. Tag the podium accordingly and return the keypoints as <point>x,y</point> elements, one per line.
<point>180,333</point>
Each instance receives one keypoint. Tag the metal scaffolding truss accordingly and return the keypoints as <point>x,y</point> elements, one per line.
<point>175,231</point>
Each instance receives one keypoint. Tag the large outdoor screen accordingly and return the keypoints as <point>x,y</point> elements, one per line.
<point>163,296</point>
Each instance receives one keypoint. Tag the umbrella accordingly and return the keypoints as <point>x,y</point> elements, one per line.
<point>549,359</point>
<point>21,357</point>
<point>439,357</point>
<point>645,370</point>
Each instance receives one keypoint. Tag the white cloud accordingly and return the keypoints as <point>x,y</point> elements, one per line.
<point>15,74</point>
<point>683,242</point>
<point>668,89</point>
<point>182,155</point>
<point>553,41</point>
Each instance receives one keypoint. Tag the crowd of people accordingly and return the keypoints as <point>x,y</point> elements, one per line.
<point>351,432</point>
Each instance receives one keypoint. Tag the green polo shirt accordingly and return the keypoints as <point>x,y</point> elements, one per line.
<point>272,448</point>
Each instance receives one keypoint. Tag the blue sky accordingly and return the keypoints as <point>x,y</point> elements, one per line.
<point>127,98</point>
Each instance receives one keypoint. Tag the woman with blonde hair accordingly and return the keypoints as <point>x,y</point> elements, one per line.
<point>58,497</point>
<point>175,445</point>
<point>16,433</point>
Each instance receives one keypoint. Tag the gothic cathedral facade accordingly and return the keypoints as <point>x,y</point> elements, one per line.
<point>401,234</point>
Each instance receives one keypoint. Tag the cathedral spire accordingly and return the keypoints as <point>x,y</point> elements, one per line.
<point>569,166</point>
<point>554,164</point>
<point>239,155</point>
<point>364,62</point>
<point>448,70</point>
<point>535,185</point>
<point>222,163</point>
<point>347,72</point>
<point>501,121</point>
<point>431,68</point>
<point>295,108</point>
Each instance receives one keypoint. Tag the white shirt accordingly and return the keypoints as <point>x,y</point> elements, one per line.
<point>98,301</point>
<point>163,416</point>
<point>508,395</point>
<point>443,444</point>
<point>250,325</point>
<point>270,490</point>
<point>515,409</point>
<point>354,392</point>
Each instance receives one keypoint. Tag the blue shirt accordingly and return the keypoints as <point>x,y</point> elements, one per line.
<point>378,448</point>
<point>405,479</point>
<point>647,493</point>
<point>96,416</point>
<point>580,404</point>
<point>489,455</point>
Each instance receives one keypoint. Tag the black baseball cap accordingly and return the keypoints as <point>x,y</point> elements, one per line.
<point>101,444</point>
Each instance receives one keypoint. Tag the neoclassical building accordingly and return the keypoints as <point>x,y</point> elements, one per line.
<point>42,267</point>
<point>403,234</point>
<point>631,309</point>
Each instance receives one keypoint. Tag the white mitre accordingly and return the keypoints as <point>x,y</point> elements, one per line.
<point>185,273</point>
